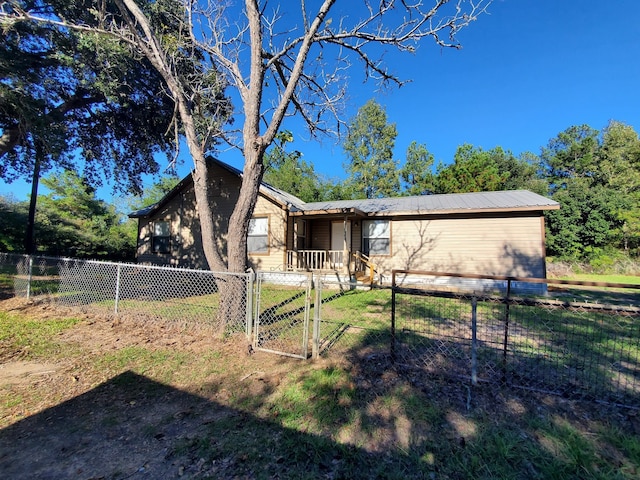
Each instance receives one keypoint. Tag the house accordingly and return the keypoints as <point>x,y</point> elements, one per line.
<point>495,233</point>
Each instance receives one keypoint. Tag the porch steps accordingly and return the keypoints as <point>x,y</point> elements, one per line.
<point>363,277</point>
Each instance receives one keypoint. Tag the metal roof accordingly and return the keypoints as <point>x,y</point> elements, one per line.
<point>509,200</point>
<point>503,201</point>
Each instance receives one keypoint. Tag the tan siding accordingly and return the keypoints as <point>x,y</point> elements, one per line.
<point>170,213</point>
<point>186,243</point>
<point>494,246</point>
<point>191,253</point>
<point>275,259</point>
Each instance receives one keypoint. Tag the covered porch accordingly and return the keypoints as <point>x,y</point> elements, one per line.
<point>328,241</point>
<point>357,264</point>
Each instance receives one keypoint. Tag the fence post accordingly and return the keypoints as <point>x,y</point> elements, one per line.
<point>474,341</point>
<point>249,306</point>
<point>306,320</point>
<point>117,287</point>
<point>29,276</point>
<point>256,309</point>
<point>315,340</point>
<point>506,333</point>
<point>393,316</point>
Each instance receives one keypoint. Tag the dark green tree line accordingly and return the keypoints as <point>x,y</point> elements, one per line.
<point>594,175</point>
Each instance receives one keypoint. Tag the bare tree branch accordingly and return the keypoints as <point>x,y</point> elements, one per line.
<point>279,66</point>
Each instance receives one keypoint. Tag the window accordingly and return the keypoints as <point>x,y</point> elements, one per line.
<point>302,234</point>
<point>161,237</point>
<point>258,238</point>
<point>376,238</point>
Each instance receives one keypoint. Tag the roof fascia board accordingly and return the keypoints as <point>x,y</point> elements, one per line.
<point>405,213</point>
<point>333,211</point>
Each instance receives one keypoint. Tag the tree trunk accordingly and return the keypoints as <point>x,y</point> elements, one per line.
<point>207,227</point>
<point>232,293</point>
<point>201,190</point>
<point>30,237</point>
<point>239,221</point>
<point>150,46</point>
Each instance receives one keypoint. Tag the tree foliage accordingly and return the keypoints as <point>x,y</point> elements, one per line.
<point>13,218</point>
<point>594,176</point>
<point>473,170</point>
<point>71,222</point>
<point>417,172</point>
<point>572,154</point>
<point>153,194</point>
<point>74,95</point>
<point>81,96</point>
<point>372,170</point>
<point>289,172</point>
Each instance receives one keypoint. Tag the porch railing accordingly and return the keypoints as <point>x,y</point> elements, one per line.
<point>315,259</point>
<point>363,264</point>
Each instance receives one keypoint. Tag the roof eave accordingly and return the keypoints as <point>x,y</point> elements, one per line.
<point>332,211</point>
<point>406,213</point>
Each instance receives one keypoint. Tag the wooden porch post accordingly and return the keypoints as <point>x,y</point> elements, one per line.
<point>346,260</point>
<point>294,256</point>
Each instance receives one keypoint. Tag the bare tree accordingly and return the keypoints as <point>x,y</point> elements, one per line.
<point>279,63</point>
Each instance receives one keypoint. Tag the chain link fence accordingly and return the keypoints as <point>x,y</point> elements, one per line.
<point>282,313</point>
<point>566,338</point>
<point>351,319</point>
<point>218,300</point>
<point>576,341</point>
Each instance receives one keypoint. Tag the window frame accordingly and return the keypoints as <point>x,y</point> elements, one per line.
<point>161,243</point>
<point>366,239</point>
<point>266,236</point>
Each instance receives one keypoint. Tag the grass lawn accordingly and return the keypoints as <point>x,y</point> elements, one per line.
<point>592,277</point>
<point>120,399</point>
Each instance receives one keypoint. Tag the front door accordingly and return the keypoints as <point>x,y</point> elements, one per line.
<point>340,242</point>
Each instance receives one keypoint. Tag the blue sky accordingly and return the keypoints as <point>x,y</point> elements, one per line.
<point>527,71</point>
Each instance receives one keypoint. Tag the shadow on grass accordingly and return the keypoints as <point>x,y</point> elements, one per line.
<point>361,422</point>
<point>451,430</point>
<point>134,427</point>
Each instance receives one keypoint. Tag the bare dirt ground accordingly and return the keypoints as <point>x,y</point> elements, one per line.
<point>91,423</point>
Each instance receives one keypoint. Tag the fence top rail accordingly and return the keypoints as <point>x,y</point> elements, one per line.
<point>547,281</point>
<point>135,265</point>
<point>70,260</point>
<point>187,270</point>
<point>532,302</point>
<point>351,283</point>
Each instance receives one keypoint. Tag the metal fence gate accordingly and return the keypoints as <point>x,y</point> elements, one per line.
<point>351,319</point>
<point>283,302</point>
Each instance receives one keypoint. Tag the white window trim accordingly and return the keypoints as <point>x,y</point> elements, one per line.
<point>378,234</point>
<point>256,223</point>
